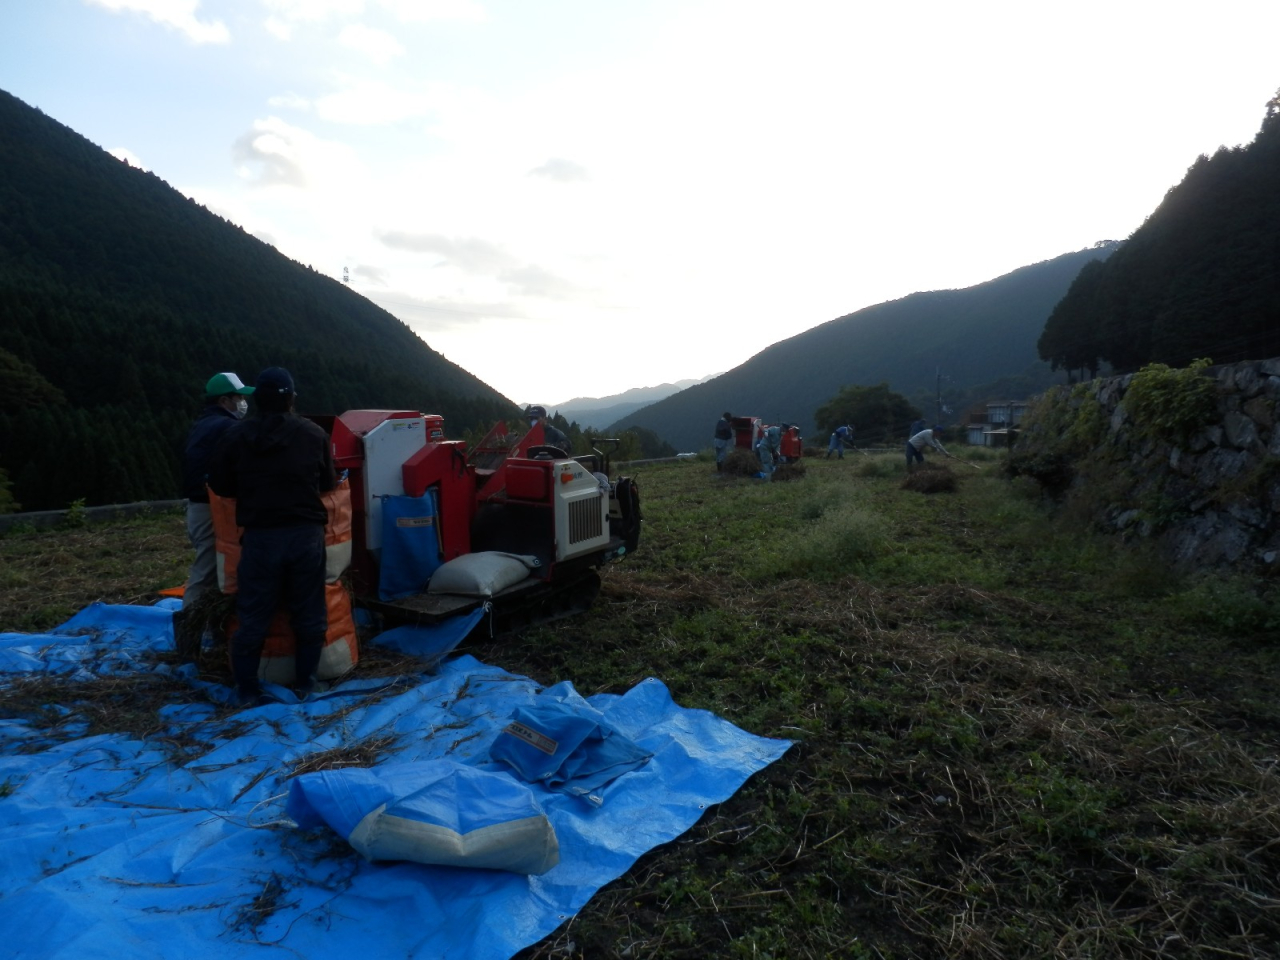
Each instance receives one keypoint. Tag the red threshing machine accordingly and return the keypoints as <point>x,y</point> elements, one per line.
<point>510,494</point>
<point>748,431</point>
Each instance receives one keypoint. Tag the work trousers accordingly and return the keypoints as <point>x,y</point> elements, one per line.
<point>722,448</point>
<point>203,575</point>
<point>768,461</point>
<point>279,566</point>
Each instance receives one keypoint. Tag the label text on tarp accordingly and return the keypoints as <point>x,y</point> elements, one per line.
<point>533,738</point>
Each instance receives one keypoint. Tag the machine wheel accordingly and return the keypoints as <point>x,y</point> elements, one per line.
<point>628,494</point>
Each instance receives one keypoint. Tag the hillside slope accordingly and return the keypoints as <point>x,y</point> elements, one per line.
<point>973,336</point>
<point>1197,279</point>
<point>120,297</point>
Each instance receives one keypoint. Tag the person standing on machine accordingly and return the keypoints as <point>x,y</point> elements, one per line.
<point>551,436</point>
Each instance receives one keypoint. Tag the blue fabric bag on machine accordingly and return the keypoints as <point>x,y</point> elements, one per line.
<point>569,748</point>
<point>410,545</point>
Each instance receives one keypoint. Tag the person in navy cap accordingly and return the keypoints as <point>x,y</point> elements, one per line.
<point>276,465</point>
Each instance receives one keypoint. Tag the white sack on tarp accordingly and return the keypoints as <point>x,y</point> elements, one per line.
<point>482,574</point>
<point>439,812</point>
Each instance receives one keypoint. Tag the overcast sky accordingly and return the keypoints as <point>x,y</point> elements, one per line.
<point>575,197</point>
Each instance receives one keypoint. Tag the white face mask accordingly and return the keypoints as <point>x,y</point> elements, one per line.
<point>533,422</point>
<point>242,407</point>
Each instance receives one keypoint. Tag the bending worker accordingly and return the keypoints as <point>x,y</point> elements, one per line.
<point>925,438</point>
<point>841,437</point>
<point>767,449</point>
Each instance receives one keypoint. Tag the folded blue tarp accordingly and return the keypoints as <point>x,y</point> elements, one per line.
<point>114,846</point>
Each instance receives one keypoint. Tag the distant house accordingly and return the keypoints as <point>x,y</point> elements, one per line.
<point>990,427</point>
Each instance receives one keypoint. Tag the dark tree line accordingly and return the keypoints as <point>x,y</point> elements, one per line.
<point>1200,278</point>
<point>119,298</point>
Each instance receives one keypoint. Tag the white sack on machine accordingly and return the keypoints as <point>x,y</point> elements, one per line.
<point>482,574</point>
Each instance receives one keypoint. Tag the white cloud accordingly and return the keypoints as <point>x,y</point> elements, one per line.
<point>429,315</point>
<point>469,254</point>
<point>410,11</point>
<point>532,280</point>
<point>561,170</point>
<point>483,259</point>
<point>371,103</point>
<point>311,11</point>
<point>374,275</point>
<point>275,153</point>
<point>289,101</point>
<point>177,14</point>
<point>127,156</point>
<point>266,157</point>
<point>280,29</point>
<point>378,45</point>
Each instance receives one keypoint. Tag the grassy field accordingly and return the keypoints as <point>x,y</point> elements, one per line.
<point>1013,738</point>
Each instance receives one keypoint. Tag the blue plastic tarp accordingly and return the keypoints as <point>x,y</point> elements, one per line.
<point>177,843</point>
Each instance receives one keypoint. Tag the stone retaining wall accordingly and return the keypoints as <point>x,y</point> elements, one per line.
<point>1211,501</point>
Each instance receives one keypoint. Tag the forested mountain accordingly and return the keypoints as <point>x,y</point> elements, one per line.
<point>119,298</point>
<point>971,337</point>
<point>1200,278</point>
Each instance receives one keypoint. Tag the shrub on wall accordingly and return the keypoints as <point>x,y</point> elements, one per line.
<point>1171,405</point>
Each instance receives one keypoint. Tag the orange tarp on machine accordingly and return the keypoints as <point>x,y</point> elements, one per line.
<point>340,647</point>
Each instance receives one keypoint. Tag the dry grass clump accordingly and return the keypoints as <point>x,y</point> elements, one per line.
<point>47,576</point>
<point>930,478</point>
<point>740,463</point>
<point>128,704</point>
<point>376,661</point>
<point>213,612</point>
<point>368,752</point>
<point>789,471</point>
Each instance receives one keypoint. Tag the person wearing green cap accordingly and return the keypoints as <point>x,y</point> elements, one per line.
<point>224,404</point>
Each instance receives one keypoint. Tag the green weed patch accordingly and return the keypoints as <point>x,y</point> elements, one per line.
<point>1013,739</point>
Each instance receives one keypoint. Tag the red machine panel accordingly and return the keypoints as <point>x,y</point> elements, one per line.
<point>349,429</point>
<point>444,466</point>
<point>746,432</point>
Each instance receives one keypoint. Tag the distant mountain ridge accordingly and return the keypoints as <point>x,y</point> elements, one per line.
<point>601,412</point>
<point>973,336</point>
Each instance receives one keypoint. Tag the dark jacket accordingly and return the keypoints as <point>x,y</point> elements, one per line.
<point>212,422</point>
<point>724,429</point>
<point>276,466</point>
<point>555,437</point>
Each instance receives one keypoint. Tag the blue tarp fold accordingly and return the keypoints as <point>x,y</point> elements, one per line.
<point>178,844</point>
